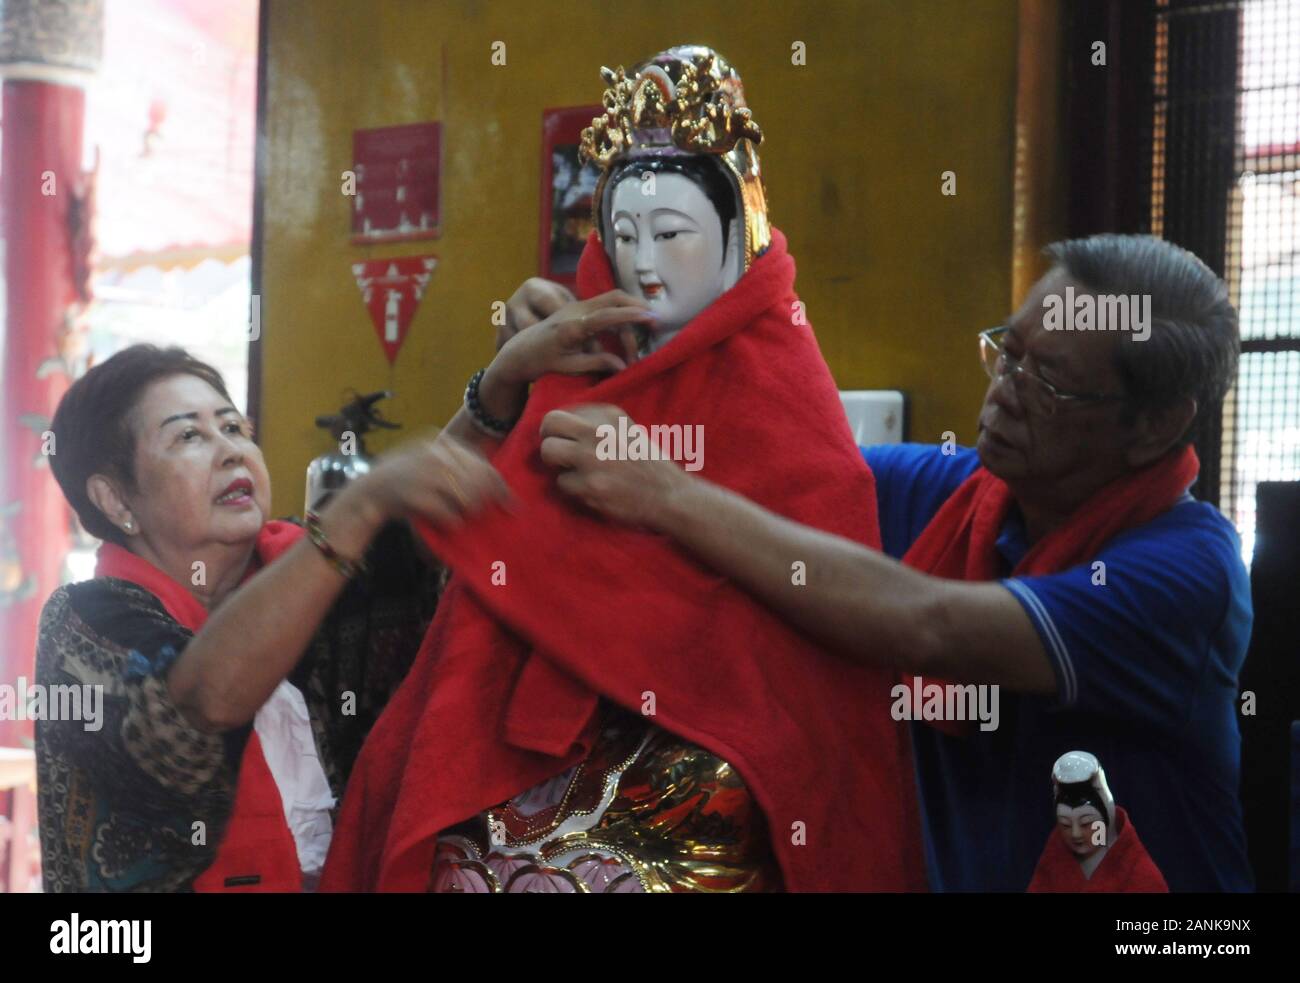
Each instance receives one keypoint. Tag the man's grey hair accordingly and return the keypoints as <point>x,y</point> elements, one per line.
<point>1194,342</point>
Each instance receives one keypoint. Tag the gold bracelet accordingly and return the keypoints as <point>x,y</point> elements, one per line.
<point>348,568</point>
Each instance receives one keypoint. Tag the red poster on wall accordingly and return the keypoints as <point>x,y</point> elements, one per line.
<point>397,187</point>
<point>392,289</point>
<point>567,189</point>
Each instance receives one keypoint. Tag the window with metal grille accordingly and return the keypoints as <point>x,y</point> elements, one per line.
<point>1262,422</point>
<point>1192,132</point>
<point>1225,183</point>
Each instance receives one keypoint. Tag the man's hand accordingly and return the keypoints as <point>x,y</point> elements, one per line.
<point>865,604</point>
<point>637,492</point>
<point>535,300</point>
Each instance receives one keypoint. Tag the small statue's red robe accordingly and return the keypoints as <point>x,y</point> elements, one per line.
<point>1127,868</point>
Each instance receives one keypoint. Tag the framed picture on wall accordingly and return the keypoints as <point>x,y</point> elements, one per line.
<point>567,189</point>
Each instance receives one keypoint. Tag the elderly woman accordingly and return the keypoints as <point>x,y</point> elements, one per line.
<point>237,690</point>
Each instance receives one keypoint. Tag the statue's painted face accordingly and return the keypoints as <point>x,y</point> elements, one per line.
<point>1082,828</point>
<point>668,248</point>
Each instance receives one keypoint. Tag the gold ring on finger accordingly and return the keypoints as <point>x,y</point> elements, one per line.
<point>455,487</point>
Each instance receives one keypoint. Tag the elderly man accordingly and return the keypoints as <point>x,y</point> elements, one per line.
<point>1061,560</point>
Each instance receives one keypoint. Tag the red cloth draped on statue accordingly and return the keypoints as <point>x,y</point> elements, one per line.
<point>257,851</point>
<point>1127,868</point>
<point>960,542</point>
<point>553,607</point>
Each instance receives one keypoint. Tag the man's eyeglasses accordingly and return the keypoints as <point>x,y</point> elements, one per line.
<point>1038,395</point>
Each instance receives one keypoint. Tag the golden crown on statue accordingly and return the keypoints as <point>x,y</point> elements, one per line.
<point>681,102</point>
<point>699,111</point>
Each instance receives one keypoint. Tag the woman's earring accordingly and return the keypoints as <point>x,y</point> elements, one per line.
<point>129,525</point>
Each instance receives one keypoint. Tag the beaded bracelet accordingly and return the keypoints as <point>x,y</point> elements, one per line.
<point>484,420</point>
<point>348,568</point>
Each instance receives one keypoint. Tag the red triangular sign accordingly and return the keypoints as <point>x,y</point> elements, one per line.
<point>392,289</point>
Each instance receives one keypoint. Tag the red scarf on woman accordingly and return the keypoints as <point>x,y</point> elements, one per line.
<point>960,542</point>
<point>257,851</point>
<point>553,608</point>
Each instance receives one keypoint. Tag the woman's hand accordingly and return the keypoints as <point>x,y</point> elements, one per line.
<point>546,331</point>
<point>534,301</point>
<point>566,341</point>
<point>441,480</point>
<point>633,491</point>
<point>255,637</point>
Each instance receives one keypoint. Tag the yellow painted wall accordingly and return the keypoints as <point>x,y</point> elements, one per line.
<point>897,277</point>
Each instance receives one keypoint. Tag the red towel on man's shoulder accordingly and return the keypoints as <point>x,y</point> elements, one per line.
<point>1127,868</point>
<point>553,607</point>
<point>961,541</point>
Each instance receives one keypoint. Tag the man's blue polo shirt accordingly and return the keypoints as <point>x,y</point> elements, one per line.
<point>1146,668</point>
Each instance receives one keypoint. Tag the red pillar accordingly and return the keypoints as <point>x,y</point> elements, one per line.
<point>45,58</point>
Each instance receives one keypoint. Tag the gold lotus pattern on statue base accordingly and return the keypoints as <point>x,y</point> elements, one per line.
<point>644,812</point>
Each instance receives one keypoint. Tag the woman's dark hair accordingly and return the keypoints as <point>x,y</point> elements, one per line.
<point>92,426</point>
<point>706,172</point>
<point>1194,343</point>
